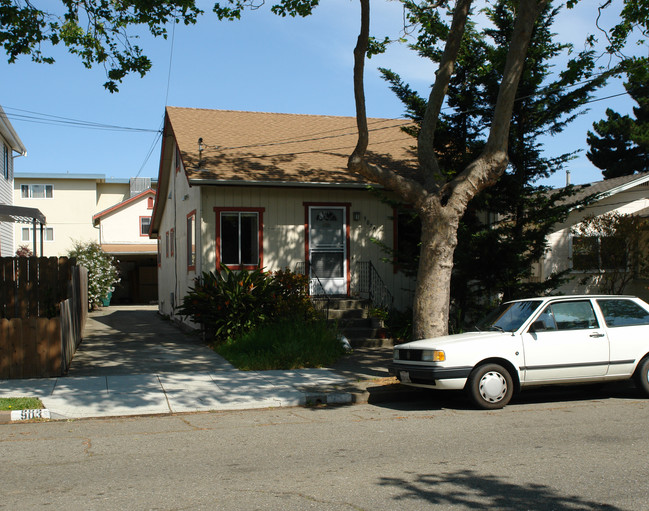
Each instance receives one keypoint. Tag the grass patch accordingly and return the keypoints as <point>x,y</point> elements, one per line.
<point>284,345</point>
<point>20,403</point>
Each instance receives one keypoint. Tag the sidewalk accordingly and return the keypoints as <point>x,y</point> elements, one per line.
<point>132,362</point>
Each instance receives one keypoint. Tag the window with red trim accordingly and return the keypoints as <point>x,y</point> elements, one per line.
<point>167,244</point>
<point>149,203</point>
<point>172,242</point>
<point>191,241</point>
<point>239,237</point>
<point>145,224</point>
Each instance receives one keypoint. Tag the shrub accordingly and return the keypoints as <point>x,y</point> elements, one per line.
<point>24,251</point>
<point>292,296</point>
<point>229,304</point>
<point>102,273</point>
<point>285,344</point>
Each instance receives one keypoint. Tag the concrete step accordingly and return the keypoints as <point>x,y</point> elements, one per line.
<point>346,303</point>
<point>371,342</point>
<point>347,314</point>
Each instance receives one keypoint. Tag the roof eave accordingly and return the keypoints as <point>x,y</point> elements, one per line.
<point>292,184</point>
<point>9,134</point>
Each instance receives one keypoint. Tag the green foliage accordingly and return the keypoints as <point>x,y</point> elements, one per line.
<point>96,31</point>
<point>399,324</point>
<point>229,304</point>
<point>285,344</point>
<point>619,144</point>
<point>102,272</point>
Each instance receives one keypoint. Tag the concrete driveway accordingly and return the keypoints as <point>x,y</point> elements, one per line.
<point>135,339</point>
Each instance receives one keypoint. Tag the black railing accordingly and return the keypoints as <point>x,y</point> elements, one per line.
<point>321,300</point>
<point>371,286</point>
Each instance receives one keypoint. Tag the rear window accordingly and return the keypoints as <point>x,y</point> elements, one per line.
<point>620,312</point>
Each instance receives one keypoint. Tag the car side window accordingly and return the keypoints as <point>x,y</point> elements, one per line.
<point>577,315</point>
<point>545,322</point>
<point>621,312</point>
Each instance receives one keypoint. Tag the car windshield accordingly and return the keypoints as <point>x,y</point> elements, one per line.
<point>509,317</point>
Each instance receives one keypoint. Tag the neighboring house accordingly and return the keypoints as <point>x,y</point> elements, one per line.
<point>91,207</point>
<point>124,233</point>
<point>625,195</point>
<point>10,145</point>
<point>250,189</point>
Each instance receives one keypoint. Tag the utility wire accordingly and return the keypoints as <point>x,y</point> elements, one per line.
<point>37,117</point>
<point>153,145</point>
<point>171,54</point>
<point>41,118</point>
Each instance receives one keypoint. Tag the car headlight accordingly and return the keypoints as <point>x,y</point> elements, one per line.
<point>433,356</point>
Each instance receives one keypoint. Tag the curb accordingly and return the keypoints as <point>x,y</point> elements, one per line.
<point>364,392</point>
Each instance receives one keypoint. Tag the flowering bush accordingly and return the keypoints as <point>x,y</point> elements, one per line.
<point>102,272</point>
<point>24,251</point>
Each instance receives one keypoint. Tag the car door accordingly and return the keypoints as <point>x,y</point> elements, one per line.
<point>627,323</point>
<point>565,342</point>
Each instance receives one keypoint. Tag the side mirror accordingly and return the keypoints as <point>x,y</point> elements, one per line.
<point>538,326</point>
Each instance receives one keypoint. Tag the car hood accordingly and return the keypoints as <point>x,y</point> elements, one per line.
<point>453,340</point>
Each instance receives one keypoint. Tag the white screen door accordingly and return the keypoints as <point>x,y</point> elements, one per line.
<point>327,250</point>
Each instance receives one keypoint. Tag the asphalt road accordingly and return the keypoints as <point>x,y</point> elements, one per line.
<point>584,450</point>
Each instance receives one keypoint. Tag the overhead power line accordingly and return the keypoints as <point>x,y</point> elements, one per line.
<point>41,118</point>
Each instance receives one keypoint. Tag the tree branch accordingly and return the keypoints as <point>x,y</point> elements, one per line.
<point>427,161</point>
<point>490,165</point>
<point>357,157</point>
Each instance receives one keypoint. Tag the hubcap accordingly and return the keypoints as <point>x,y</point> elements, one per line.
<point>493,387</point>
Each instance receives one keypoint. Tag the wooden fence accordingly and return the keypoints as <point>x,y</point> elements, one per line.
<point>43,306</point>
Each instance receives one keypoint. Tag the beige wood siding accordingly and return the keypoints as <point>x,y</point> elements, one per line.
<point>284,235</point>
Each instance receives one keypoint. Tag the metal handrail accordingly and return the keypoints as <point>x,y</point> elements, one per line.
<point>372,286</point>
<point>314,280</point>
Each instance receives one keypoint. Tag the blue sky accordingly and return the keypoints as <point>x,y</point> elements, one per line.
<point>260,63</point>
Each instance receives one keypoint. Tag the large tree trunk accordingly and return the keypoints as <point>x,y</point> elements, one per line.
<point>431,301</point>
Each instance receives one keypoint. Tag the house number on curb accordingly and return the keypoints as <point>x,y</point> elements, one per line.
<point>23,415</point>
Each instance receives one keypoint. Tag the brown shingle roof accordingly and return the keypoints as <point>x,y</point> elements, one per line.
<point>287,148</point>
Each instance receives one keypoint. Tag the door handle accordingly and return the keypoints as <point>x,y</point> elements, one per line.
<point>596,335</point>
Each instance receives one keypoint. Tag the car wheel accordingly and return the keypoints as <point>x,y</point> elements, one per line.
<point>642,375</point>
<point>490,386</point>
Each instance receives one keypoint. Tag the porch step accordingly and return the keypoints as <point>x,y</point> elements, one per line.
<point>353,320</point>
<point>371,343</point>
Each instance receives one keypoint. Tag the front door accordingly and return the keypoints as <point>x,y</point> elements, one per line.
<point>327,250</point>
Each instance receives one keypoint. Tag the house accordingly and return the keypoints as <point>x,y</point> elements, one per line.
<point>29,217</point>
<point>628,195</point>
<point>251,189</point>
<point>91,207</point>
<point>127,240</point>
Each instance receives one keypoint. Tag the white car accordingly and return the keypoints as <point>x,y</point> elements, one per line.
<point>539,341</point>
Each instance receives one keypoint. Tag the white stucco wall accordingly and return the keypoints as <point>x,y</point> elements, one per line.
<point>123,224</point>
<point>69,212</point>
<point>559,255</point>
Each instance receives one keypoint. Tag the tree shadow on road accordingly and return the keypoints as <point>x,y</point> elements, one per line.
<point>468,489</point>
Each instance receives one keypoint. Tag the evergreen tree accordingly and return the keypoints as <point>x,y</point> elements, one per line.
<point>496,259</point>
<point>619,144</point>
